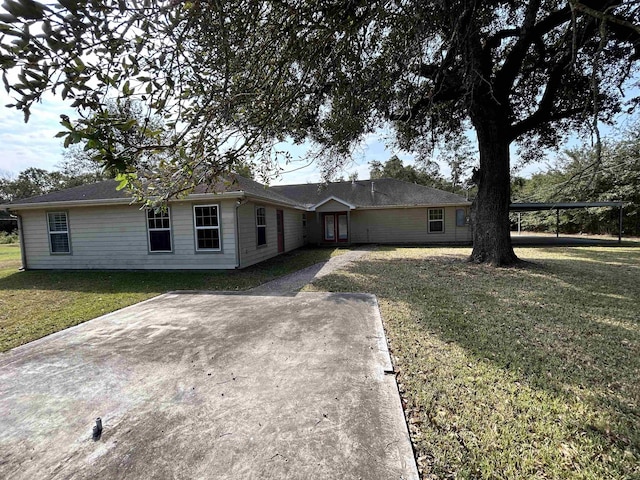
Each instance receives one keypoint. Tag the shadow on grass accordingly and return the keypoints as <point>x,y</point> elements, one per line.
<point>139,281</point>
<point>568,326</point>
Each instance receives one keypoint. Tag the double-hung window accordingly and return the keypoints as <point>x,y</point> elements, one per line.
<point>159,227</point>
<point>58,227</point>
<point>261,225</point>
<point>436,220</point>
<point>206,219</point>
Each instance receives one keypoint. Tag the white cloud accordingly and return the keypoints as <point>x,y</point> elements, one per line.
<point>31,144</point>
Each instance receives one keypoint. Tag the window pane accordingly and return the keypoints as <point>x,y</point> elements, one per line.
<point>57,222</point>
<point>261,216</point>
<point>436,214</point>
<point>262,235</point>
<point>208,239</point>
<point>436,226</point>
<point>160,240</point>
<point>343,234</point>
<point>461,218</point>
<point>328,227</point>
<point>206,216</point>
<point>59,242</point>
<point>158,219</point>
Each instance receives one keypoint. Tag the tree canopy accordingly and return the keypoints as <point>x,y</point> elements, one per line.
<point>233,79</point>
<point>37,181</point>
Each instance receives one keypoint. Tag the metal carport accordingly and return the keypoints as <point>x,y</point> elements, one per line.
<point>533,207</point>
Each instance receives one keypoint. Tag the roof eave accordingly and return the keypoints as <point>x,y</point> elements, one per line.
<point>421,205</point>
<point>112,201</point>
<point>275,202</point>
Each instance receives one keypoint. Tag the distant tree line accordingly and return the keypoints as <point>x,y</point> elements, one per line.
<point>459,180</point>
<point>582,175</point>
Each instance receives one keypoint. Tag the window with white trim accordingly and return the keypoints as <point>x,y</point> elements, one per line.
<point>206,220</point>
<point>261,226</point>
<point>58,228</point>
<point>159,229</point>
<point>436,220</point>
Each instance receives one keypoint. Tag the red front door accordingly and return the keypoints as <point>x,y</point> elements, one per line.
<point>280,222</point>
<point>335,227</point>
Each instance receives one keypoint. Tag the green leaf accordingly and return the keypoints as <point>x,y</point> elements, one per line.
<point>7,18</point>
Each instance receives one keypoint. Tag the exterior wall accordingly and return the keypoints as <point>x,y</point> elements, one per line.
<point>314,228</point>
<point>115,237</point>
<point>250,253</point>
<point>404,225</point>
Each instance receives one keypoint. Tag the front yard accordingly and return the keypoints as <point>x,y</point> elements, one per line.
<point>513,373</point>
<point>505,373</point>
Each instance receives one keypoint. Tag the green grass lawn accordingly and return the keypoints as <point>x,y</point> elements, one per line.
<point>513,373</point>
<point>36,303</point>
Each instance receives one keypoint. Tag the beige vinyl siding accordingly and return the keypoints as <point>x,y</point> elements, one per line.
<point>250,253</point>
<point>404,225</point>
<point>293,232</point>
<point>115,237</point>
<point>314,228</point>
<point>332,206</point>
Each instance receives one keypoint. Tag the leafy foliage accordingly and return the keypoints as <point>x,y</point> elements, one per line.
<point>36,181</point>
<point>395,168</point>
<point>422,175</point>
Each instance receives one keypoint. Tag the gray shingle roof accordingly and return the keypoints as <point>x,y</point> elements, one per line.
<point>387,192</point>
<point>92,191</point>
<point>106,190</point>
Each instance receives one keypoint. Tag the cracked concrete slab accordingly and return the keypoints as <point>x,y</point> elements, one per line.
<point>217,386</point>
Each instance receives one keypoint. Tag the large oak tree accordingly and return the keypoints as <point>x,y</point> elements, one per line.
<point>231,79</point>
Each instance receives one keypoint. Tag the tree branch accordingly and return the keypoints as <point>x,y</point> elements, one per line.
<point>531,33</point>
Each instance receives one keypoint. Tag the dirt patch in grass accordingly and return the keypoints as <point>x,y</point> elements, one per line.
<point>37,303</point>
<point>513,373</point>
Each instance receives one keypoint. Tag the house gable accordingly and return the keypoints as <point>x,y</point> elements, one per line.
<point>332,204</point>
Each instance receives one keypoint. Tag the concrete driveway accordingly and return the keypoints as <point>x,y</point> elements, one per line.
<point>209,386</point>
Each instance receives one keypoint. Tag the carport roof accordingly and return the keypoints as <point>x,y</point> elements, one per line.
<point>532,207</point>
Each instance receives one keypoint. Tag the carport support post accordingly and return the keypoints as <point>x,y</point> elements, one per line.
<point>620,225</point>
<point>557,222</point>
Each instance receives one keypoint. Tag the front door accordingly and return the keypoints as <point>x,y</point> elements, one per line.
<point>280,222</point>
<point>336,227</point>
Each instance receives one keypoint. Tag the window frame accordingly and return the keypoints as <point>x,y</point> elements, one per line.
<point>430,221</point>
<point>154,229</point>
<point>66,232</point>
<point>196,228</point>
<point>465,218</point>
<point>259,226</point>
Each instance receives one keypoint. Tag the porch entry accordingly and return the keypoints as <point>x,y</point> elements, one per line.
<point>280,223</point>
<point>335,227</point>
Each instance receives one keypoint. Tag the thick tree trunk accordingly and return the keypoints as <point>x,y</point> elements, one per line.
<point>490,210</point>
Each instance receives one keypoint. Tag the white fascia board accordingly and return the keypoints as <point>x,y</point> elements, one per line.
<point>328,199</point>
<point>113,201</point>
<point>430,205</point>
<point>274,202</point>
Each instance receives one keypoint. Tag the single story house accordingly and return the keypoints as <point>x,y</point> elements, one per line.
<point>98,227</point>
